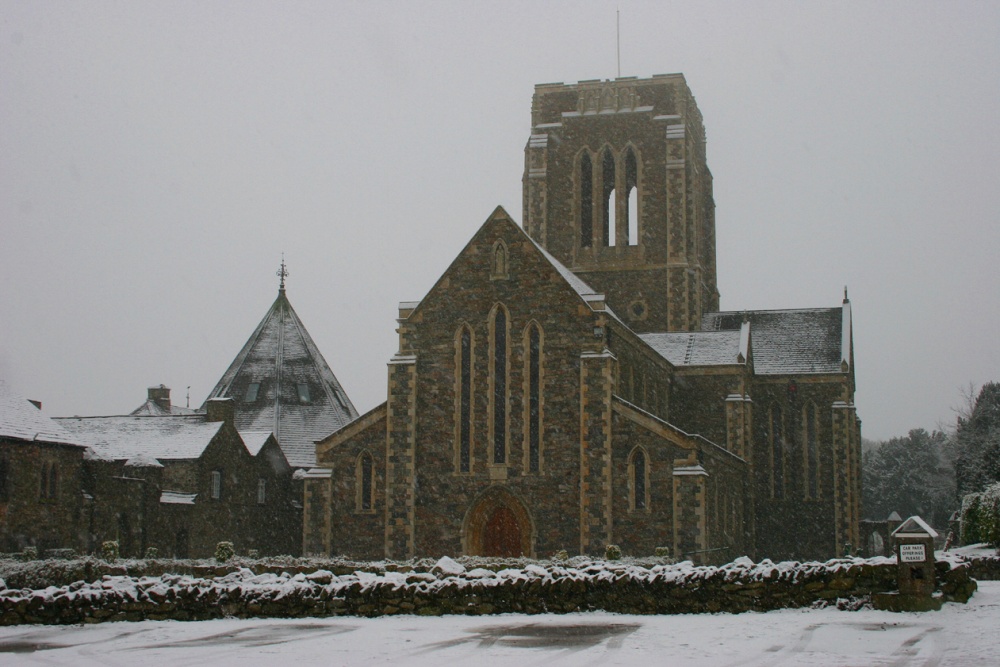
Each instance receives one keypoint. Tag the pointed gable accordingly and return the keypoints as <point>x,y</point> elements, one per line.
<point>498,225</point>
<point>282,384</point>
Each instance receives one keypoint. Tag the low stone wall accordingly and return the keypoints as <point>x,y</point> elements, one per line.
<point>451,588</point>
<point>984,568</point>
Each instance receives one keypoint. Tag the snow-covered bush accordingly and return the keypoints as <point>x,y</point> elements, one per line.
<point>989,515</point>
<point>224,551</point>
<point>981,516</point>
<point>612,552</point>
<point>662,552</point>
<point>151,553</point>
<point>29,553</point>
<point>561,556</point>
<point>253,554</point>
<point>970,518</point>
<point>109,550</point>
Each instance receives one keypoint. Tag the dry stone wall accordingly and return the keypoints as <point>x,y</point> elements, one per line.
<point>449,587</point>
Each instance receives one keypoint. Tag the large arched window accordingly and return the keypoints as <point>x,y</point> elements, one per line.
<point>586,201</point>
<point>631,199</point>
<point>498,384</point>
<point>638,480</point>
<point>365,483</point>
<point>533,393</point>
<point>777,452</point>
<point>608,198</point>
<point>810,435</point>
<point>463,399</point>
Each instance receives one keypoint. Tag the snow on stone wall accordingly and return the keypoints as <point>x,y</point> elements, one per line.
<point>451,587</point>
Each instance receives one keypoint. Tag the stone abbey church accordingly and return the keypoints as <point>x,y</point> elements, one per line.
<point>571,382</point>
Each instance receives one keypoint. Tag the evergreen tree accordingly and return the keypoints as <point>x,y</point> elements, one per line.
<point>977,443</point>
<point>910,476</point>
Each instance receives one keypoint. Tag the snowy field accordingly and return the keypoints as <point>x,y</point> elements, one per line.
<point>956,635</point>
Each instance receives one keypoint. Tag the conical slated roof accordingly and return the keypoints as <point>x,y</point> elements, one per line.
<point>280,383</point>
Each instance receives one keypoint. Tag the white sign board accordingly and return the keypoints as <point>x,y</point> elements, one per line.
<point>911,553</point>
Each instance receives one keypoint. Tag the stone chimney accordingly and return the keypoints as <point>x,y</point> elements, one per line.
<point>161,396</point>
<point>221,410</point>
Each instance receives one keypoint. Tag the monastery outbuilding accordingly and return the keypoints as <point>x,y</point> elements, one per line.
<point>571,383</point>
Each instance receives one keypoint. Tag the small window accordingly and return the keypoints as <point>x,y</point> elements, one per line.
<point>261,491</point>
<point>252,389</point>
<point>49,480</point>
<point>303,389</point>
<point>216,484</point>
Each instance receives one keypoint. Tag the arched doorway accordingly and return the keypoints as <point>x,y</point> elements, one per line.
<point>502,534</point>
<point>498,524</point>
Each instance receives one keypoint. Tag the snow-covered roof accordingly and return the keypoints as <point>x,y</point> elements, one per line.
<point>298,398</point>
<point>255,440</point>
<point>697,348</point>
<point>152,408</point>
<point>914,525</point>
<point>130,437</point>
<point>20,419</point>
<point>784,342</point>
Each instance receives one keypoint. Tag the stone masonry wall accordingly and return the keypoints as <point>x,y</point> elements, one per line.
<point>450,588</point>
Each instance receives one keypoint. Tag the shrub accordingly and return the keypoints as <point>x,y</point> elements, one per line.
<point>989,515</point>
<point>970,518</point>
<point>253,554</point>
<point>152,552</point>
<point>29,553</point>
<point>109,550</point>
<point>662,552</point>
<point>612,552</point>
<point>224,551</point>
<point>562,555</point>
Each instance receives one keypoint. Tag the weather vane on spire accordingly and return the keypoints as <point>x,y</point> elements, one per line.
<point>282,273</point>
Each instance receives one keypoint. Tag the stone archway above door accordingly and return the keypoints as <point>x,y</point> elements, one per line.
<point>498,524</point>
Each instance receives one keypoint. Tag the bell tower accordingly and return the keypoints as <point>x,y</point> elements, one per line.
<point>616,187</point>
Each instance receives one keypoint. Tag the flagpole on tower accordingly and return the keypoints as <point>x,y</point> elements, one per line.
<point>618,39</point>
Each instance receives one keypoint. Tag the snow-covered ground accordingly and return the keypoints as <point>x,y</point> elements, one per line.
<point>956,635</point>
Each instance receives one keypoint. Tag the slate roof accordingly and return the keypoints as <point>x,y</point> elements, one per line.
<point>20,419</point>
<point>280,356</point>
<point>143,437</point>
<point>152,408</point>
<point>785,342</point>
<point>697,348</point>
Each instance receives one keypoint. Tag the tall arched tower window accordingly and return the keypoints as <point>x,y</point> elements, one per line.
<point>777,453</point>
<point>586,201</point>
<point>638,478</point>
<point>608,198</point>
<point>631,199</point>
<point>533,392</point>
<point>498,384</point>
<point>463,399</point>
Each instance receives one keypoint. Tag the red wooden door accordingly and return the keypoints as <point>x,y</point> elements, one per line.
<point>502,534</point>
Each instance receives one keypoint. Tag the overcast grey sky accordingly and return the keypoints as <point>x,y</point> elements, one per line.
<point>157,157</point>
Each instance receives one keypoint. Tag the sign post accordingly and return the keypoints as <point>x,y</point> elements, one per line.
<point>915,576</point>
